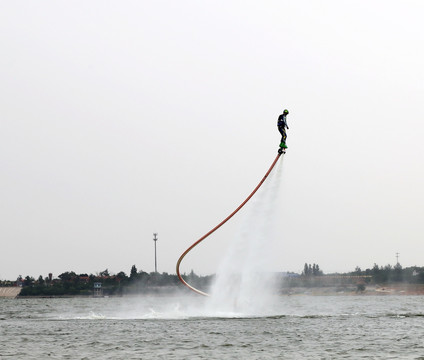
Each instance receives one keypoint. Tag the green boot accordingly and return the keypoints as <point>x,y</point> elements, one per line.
<point>283,145</point>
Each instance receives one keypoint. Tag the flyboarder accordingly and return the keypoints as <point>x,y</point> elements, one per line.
<point>282,125</point>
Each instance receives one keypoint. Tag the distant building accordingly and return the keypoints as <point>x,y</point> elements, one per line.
<point>84,279</point>
<point>97,290</point>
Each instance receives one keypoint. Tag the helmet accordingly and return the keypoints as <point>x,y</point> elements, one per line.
<point>285,111</point>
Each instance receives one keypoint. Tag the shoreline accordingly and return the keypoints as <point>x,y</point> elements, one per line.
<point>370,290</point>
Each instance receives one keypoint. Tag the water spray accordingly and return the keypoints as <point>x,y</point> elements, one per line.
<point>219,225</point>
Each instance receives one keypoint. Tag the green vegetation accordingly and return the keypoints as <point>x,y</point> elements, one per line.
<point>311,270</point>
<point>139,282</point>
<point>393,274</point>
<point>313,276</point>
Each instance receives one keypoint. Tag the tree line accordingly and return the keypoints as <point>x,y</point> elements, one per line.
<point>313,276</point>
<point>377,274</point>
<point>137,282</point>
<point>392,274</point>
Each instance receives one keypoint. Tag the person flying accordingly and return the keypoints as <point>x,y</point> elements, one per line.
<point>282,125</point>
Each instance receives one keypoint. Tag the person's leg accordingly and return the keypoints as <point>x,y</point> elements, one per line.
<point>283,137</point>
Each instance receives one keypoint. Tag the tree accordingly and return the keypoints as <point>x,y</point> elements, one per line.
<point>40,280</point>
<point>397,272</point>
<point>29,281</point>
<point>104,273</point>
<point>121,276</point>
<point>306,269</point>
<point>133,273</point>
<point>316,270</point>
<point>67,276</point>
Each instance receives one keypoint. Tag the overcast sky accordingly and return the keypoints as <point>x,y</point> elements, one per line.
<point>124,118</point>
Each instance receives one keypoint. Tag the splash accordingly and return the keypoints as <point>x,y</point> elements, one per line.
<point>245,283</point>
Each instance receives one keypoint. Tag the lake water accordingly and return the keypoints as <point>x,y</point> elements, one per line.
<point>295,327</point>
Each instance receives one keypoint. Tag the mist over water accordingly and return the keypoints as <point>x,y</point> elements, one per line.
<point>245,280</point>
<point>172,327</point>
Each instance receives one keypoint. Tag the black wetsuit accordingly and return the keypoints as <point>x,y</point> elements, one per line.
<point>282,125</point>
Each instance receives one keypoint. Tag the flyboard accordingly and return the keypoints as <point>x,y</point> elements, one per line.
<point>281,150</point>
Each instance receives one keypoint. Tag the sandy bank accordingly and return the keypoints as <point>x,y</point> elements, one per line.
<point>9,292</point>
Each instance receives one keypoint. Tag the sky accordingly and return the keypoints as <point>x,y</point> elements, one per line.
<point>120,119</point>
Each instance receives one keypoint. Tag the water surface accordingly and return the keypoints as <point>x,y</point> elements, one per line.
<point>296,327</point>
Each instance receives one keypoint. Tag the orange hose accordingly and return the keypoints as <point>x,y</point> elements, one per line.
<point>217,227</point>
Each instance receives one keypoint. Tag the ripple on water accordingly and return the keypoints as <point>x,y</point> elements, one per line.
<point>367,327</point>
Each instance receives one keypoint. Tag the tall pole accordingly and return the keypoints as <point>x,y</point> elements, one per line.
<point>155,239</point>
<point>397,258</point>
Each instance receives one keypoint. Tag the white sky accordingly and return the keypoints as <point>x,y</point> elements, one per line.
<point>124,118</point>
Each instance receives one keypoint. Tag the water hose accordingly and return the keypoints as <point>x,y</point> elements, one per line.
<point>218,226</point>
